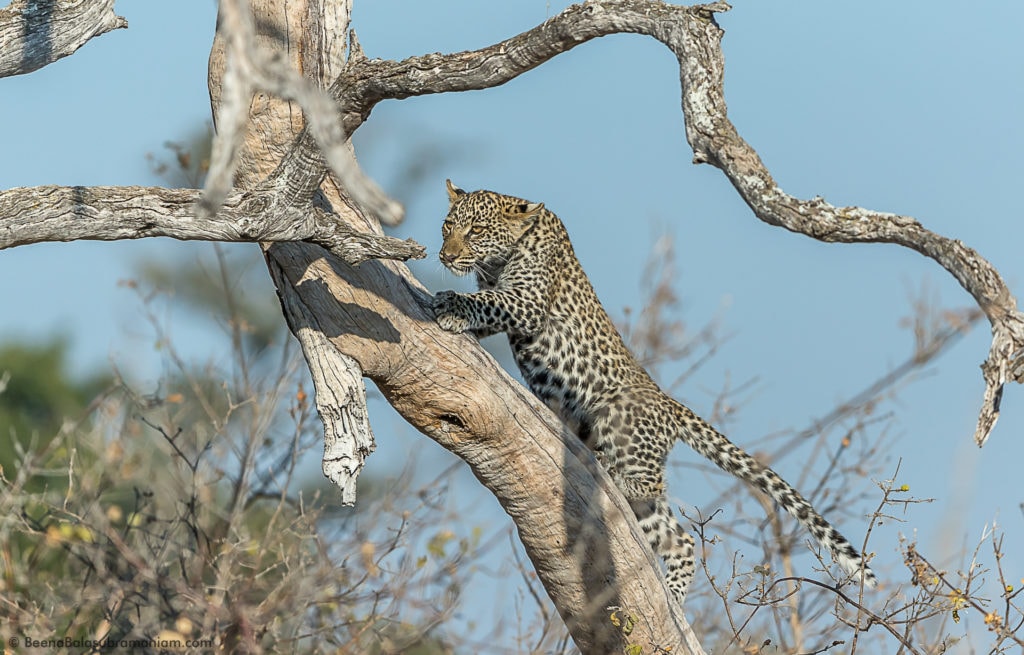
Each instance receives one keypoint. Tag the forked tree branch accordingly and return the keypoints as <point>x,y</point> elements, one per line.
<point>250,68</point>
<point>570,518</point>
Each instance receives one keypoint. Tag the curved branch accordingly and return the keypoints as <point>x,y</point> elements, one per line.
<point>109,213</point>
<point>716,141</point>
<point>365,82</point>
<point>368,81</point>
<point>249,67</point>
<point>35,33</point>
<point>693,36</point>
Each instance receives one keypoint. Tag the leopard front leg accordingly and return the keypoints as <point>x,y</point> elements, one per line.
<point>487,312</point>
<point>459,312</point>
<point>448,312</point>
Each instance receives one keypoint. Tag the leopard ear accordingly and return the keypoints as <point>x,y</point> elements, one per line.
<point>453,191</point>
<point>522,216</point>
<point>530,209</point>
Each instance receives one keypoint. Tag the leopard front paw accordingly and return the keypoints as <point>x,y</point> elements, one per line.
<point>452,323</point>
<point>444,312</point>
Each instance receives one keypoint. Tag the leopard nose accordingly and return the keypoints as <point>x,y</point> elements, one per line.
<point>446,258</point>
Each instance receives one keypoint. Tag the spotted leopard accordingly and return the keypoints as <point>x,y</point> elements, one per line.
<point>533,288</point>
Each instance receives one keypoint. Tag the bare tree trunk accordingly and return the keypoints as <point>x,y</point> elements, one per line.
<point>588,555</point>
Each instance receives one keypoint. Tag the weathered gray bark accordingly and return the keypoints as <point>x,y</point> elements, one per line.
<point>34,33</point>
<point>250,66</point>
<point>340,394</point>
<point>53,213</point>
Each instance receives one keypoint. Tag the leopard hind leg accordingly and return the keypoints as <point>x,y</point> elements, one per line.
<point>636,463</point>
<point>669,540</point>
<point>666,535</point>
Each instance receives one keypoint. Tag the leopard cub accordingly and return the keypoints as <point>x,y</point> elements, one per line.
<point>533,288</point>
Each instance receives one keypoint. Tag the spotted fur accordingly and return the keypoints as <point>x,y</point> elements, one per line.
<point>533,288</point>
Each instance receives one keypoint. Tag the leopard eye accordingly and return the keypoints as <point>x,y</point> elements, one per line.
<point>476,229</point>
<point>446,229</point>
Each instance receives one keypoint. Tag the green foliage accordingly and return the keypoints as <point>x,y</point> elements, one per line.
<point>39,397</point>
<point>39,393</point>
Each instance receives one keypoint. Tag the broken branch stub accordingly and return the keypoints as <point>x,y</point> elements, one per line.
<point>341,402</point>
<point>338,390</point>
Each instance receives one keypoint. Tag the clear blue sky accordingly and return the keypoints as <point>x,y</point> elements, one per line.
<point>909,107</point>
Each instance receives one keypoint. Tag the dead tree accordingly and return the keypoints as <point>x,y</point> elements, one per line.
<point>287,179</point>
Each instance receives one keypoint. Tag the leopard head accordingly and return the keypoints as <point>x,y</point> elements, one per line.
<point>482,228</point>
